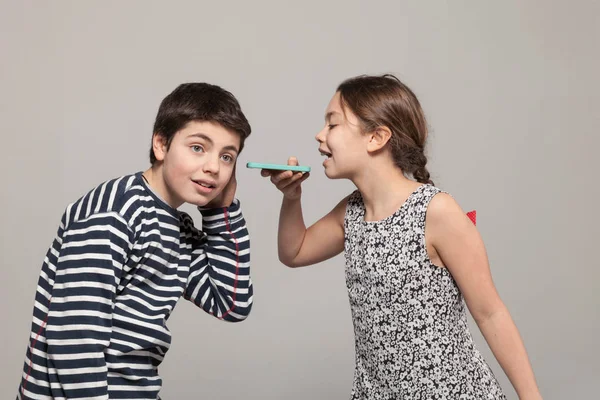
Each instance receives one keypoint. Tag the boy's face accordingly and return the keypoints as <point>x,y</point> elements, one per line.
<point>198,164</point>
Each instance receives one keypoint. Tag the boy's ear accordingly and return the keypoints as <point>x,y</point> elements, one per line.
<point>159,145</point>
<point>378,139</point>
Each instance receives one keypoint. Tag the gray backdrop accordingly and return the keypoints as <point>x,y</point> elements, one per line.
<point>512,95</point>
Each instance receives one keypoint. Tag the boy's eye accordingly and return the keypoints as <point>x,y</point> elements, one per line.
<point>331,126</point>
<point>227,158</point>
<point>197,149</point>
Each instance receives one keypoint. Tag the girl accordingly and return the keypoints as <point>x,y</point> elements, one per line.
<point>412,255</point>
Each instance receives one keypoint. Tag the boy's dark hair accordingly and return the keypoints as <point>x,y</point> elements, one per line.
<point>199,102</point>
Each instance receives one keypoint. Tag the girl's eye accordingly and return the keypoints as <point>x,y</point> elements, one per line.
<point>331,126</point>
<point>197,149</point>
<point>227,158</point>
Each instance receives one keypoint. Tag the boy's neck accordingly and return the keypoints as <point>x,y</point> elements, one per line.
<point>154,178</point>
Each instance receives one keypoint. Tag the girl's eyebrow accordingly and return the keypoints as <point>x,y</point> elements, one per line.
<point>330,114</point>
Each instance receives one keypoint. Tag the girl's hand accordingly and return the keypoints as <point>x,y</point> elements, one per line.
<point>287,181</point>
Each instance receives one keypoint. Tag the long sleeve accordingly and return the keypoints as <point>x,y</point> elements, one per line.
<point>82,280</point>
<point>219,280</point>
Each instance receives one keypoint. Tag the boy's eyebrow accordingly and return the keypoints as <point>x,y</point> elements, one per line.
<point>211,142</point>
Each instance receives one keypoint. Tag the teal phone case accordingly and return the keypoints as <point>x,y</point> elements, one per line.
<point>279,167</point>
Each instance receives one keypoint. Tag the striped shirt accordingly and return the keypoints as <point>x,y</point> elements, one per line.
<point>120,261</point>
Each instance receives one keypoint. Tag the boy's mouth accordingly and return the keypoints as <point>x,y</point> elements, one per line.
<point>204,186</point>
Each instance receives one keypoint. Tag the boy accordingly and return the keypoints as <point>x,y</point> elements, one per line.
<point>124,255</point>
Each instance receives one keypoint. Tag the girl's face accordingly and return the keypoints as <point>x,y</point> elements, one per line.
<point>341,141</point>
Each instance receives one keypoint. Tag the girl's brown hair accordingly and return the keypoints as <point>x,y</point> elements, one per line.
<point>384,100</point>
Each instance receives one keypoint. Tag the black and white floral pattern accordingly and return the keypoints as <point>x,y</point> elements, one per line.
<point>412,340</point>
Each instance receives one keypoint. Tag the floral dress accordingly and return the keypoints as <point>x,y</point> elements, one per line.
<point>412,339</point>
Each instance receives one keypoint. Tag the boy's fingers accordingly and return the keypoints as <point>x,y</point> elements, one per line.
<point>293,161</point>
<point>233,179</point>
<point>265,172</point>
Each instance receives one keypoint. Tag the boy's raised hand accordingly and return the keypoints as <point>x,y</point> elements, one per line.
<point>227,195</point>
<point>287,181</point>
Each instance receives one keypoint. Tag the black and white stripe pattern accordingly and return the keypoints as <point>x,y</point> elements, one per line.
<point>120,261</point>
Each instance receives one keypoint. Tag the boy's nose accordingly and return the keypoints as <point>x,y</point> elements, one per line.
<point>211,166</point>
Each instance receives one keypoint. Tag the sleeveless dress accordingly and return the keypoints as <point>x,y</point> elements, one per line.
<point>412,340</point>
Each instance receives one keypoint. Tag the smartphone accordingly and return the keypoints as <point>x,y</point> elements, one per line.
<point>279,167</point>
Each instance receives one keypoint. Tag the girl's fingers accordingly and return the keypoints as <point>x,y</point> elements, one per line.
<point>305,177</point>
<point>287,182</point>
<point>295,185</point>
<point>281,176</point>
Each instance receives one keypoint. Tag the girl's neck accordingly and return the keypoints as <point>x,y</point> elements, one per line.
<point>384,189</point>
